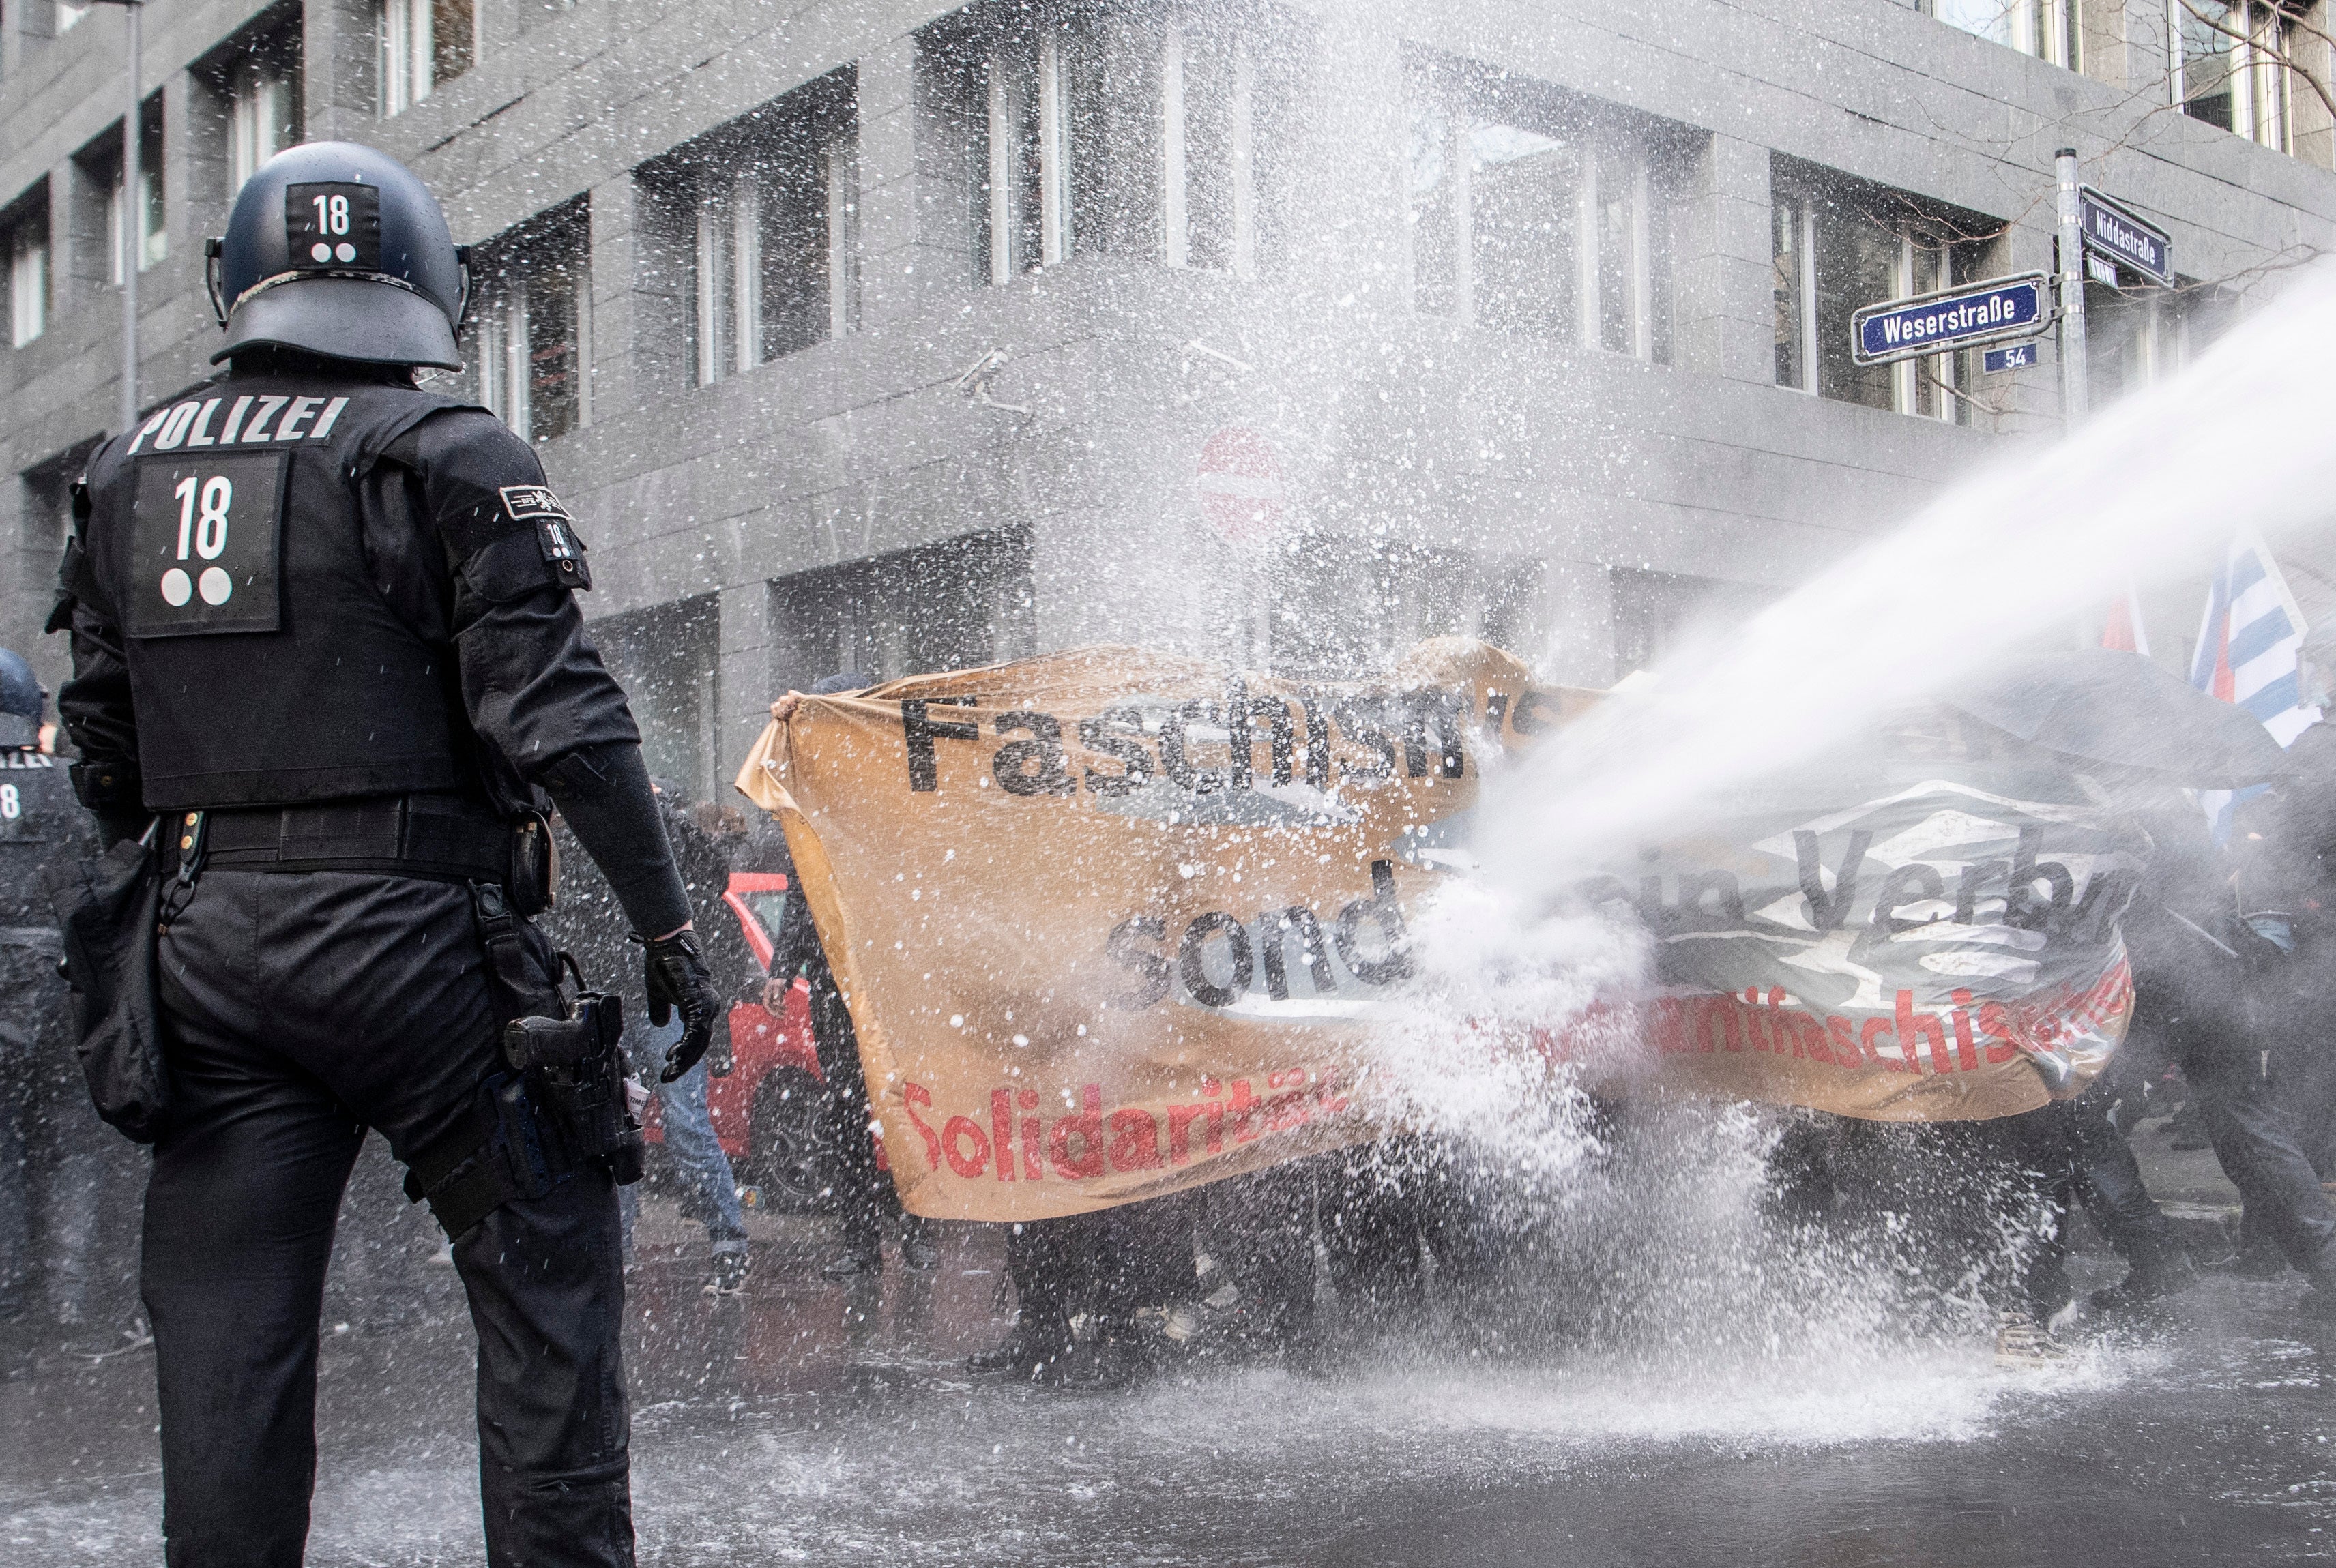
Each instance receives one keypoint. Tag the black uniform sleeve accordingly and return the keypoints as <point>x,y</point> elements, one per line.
<point>535,691</point>
<point>94,705</point>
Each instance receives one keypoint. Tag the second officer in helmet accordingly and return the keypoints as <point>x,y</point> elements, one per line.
<point>323,627</point>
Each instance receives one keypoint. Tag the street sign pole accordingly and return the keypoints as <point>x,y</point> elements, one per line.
<point>2073,390</point>
<point>133,217</point>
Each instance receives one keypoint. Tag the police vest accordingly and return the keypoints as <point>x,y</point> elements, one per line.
<point>226,545</point>
<point>40,822</point>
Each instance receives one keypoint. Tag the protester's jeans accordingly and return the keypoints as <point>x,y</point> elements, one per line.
<point>705,1186</point>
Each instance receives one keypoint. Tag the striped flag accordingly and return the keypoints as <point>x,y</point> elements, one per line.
<point>2123,629</point>
<point>2249,651</point>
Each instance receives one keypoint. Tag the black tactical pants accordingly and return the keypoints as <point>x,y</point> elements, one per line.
<point>2108,1179</point>
<point>299,1009</point>
<point>2216,1049</point>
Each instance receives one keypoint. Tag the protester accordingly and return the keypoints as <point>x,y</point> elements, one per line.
<point>863,1192</point>
<point>584,923</point>
<point>2287,853</point>
<point>2190,956</point>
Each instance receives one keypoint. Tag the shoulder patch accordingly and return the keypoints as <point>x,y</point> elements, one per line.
<point>555,531</point>
<point>526,501</point>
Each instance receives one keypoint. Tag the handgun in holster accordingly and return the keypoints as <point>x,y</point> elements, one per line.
<point>578,1063</point>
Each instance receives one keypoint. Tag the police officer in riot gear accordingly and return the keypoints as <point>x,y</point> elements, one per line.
<point>323,627</point>
<point>39,823</point>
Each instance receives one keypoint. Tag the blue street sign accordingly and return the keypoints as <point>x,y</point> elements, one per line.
<point>2013,356</point>
<point>2002,308</point>
<point>2116,232</point>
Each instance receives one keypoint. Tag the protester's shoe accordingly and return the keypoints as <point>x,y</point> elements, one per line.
<point>1028,1349</point>
<point>1100,1364</point>
<point>917,1248</point>
<point>730,1270</point>
<point>2023,1342</point>
<point>2144,1288</point>
<point>854,1263</point>
<point>2263,1260</point>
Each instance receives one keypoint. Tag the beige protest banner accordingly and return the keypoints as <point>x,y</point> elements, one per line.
<point>1111,923</point>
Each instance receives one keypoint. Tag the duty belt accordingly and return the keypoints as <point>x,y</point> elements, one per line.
<point>406,835</point>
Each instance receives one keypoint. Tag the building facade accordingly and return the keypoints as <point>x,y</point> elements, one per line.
<point>893,336</point>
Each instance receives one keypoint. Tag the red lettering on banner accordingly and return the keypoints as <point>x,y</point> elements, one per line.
<point>1033,1167</point>
<point>964,1127</point>
<point>1718,1010</point>
<point>1966,1049</point>
<point>1995,1022</point>
<point>913,1096</point>
<point>1181,1119</point>
<point>1845,1043</point>
<point>1911,1024</point>
<point>1001,1131</point>
<point>1874,1026</point>
<point>1135,1143</point>
<point>1087,1126</point>
<point>1244,1111</point>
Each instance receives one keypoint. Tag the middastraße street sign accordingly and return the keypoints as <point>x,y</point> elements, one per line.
<point>1976,312</point>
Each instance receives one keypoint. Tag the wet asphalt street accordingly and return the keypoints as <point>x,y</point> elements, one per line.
<point>808,1422</point>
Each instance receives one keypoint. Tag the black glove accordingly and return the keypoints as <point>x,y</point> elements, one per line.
<point>676,977</point>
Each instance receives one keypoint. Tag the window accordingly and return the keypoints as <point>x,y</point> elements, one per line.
<point>27,243</point>
<point>153,237</point>
<point>1208,140</point>
<point>1028,93</point>
<point>2231,67</point>
<point>424,43</point>
<point>69,13</point>
<point>963,601</point>
<point>1533,212</point>
<point>1344,607</point>
<point>1838,248</point>
<point>1141,131</point>
<point>768,209</point>
<point>2048,29</point>
<point>1655,612</point>
<point>2139,336</point>
<point>263,109</point>
<point>528,340</point>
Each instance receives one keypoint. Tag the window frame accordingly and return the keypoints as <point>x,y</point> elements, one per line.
<point>407,49</point>
<point>30,248</point>
<point>724,192</point>
<point>1958,248</point>
<point>2052,31</point>
<point>1604,140</point>
<point>501,333</point>
<point>2255,71</point>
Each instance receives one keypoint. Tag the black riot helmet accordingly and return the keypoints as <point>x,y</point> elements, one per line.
<point>338,249</point>
<point>22,701</point>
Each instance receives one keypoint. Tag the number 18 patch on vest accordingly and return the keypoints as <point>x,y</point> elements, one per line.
<point>206,545</point>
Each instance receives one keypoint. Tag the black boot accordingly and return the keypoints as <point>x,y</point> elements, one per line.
<point>1110,1358</point>
<point>2146,1285</point>
<point>1034,1343</point>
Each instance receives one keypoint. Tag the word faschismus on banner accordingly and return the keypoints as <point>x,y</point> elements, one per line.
<point>2000,309</point>
<point>2114,230</point>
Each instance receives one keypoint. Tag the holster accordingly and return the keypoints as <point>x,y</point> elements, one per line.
<point>563,1101</point>
<point>567,1052</point>
<point>107,913</point>
<point>578,1063</point>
